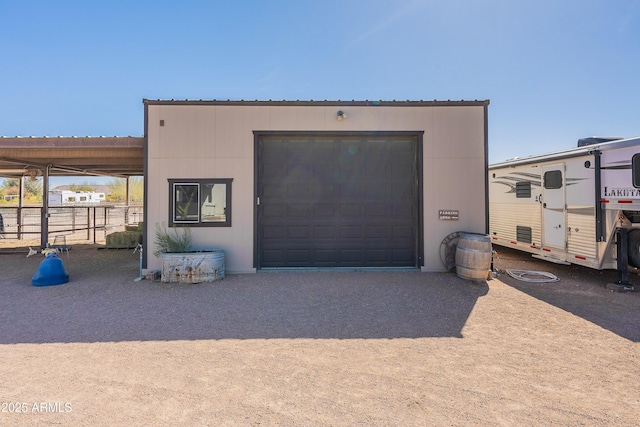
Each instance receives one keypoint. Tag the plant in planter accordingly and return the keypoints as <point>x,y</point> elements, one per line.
<point>181,264</point>
<point>172,241</point>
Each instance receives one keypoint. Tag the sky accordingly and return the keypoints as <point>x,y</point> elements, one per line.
<point>553,71</point>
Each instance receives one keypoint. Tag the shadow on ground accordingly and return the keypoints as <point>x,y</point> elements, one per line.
<point>102,302</point>
<point>581,291</point>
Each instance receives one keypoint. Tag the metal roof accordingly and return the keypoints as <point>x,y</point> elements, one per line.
<point>67,156</point>
<point>326,103</point>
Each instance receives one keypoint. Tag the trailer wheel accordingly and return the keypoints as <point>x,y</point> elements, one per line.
<point>633,242</point>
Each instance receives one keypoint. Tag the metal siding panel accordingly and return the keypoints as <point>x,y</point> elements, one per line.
<point>582,235</point>
<point>505,217</point>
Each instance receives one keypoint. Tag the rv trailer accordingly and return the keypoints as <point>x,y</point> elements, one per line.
<point>68,197</point>
<point>577,206</point>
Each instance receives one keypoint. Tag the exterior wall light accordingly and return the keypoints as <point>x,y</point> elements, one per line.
<point>342,115</point>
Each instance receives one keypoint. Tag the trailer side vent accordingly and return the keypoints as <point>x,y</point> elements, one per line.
<point>523,234</point>
<point>523,190</point>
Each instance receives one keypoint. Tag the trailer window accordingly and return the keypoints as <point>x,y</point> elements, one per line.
<point>200,202</point>
<point>552,180</point>
<point>635,170</point>
<point>523,190</point>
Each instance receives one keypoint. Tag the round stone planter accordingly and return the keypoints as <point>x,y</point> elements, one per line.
<point>193,267</point>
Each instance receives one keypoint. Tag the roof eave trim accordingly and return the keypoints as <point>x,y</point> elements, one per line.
<point>325,103</point>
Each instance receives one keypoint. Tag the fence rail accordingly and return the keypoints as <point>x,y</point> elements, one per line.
<point>81,224</point>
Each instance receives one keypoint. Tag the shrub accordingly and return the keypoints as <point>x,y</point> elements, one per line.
<point>170,240</point>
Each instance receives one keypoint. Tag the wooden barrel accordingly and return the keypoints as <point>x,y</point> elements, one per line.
<point>473,256</point>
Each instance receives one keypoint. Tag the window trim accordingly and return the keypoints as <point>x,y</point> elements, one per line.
<point>635,170</point>
<point>199,182</point>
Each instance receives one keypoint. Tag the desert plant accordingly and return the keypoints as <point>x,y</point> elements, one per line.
<point>170,240</point>
<point>118,190</point>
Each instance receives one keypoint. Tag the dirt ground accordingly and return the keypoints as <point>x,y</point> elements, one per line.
<point>315,348</point>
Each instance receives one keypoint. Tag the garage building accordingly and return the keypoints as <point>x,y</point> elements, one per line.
<point>316,184</point>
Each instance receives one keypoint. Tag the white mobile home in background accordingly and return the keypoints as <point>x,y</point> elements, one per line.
<point>67,197</point>
<point>571,205</point>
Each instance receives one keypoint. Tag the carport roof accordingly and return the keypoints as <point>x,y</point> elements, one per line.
<point>67,156</point>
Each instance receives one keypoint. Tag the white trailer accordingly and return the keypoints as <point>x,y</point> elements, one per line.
<point>67,197</point>
<point>578,206</point>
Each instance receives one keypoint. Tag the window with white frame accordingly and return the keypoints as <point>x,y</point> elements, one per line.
<point>200,202</point>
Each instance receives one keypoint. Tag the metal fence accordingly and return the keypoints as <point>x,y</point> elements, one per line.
<point>81,224</point>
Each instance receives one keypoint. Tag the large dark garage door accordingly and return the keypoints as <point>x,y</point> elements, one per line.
<point>337,201</point>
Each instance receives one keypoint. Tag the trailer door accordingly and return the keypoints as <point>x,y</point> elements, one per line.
<point>553,206</point>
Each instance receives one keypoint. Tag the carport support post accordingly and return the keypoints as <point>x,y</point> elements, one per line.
<point>44,214</point>
<point>128,195</point>
<point>128,201</point>
<point>20,206</point>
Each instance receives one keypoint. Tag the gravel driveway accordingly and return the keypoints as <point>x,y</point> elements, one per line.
<point>315,348</point>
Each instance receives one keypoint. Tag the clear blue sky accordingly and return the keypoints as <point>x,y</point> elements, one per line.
<point>554,71</point>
